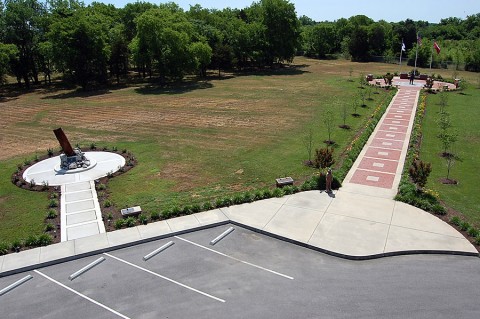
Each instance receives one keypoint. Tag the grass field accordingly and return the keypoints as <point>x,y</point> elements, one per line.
<point>464,112</point>
<point>194,142</point>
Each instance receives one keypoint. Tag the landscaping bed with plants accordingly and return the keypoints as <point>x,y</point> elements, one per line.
<point>414,188</point>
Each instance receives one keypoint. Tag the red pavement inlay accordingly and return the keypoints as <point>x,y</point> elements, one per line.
<point>395,122</point>
<point>376,179</point>
<point>396,145</point>
<point>378,165</point>
<point>393,128</point>
<point>390,135</point>
<point>383,153</point>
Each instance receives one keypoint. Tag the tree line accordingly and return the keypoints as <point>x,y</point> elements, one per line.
<point>362,39</point>
<point>91,44</point>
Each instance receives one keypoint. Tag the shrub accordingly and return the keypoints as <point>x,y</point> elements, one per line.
<point>419,172</point>
<point>53,203</point>
<point>50,152</point>
<point>464,225</point>
<point>54,195</point>
<point>225,202</point>
<point>455,220</point>
<point>237,199</point>
<point>110,174</point>
<point>51,213</point>
<point>101,187</point>
<point>143,219</point>
<point>16,245</point>
<point>44,185</point>
<point>278,192</point>
<point>124,151</point>
<point>167,213</point>
<point>187,210</point>
<point>267,194</point>
<point>472,232</point>
<point>49,227</point>
<point>155,216</point>
<point>93,146</point>
<point>477,241</point>
<point>323,158</point>
<point>207,206</point>
<point>130,221</point>
<point>288,190</point>
<point>307,185</point>
<point>196,208</point>
<point>32,183</point>
<point>44,240</point>
<point>248,197</point>
<point>4,247</point>
<point>31,241</point>
<point>257,195</point>
<point>114,149</point>
<point>438,209</point>
<point>109,216</point>
<point>107,203</point>
<point>119,223</point>
<point>176,211</point>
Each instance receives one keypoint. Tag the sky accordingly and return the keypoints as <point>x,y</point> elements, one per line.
<point>330,10</point>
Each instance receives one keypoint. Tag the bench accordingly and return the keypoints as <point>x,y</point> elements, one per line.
<point>131,211</point>
<point>284,181</point>
<point>445,87</point>
<point>377,83</point>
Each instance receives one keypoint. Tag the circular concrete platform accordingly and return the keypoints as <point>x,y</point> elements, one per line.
<point>44,171</point>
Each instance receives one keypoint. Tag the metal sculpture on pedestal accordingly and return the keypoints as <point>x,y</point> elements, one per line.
<point>71,158</point>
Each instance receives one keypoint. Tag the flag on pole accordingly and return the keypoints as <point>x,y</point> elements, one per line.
<point>403,46</point>
<point>436,47</point>
<point>419,39</point>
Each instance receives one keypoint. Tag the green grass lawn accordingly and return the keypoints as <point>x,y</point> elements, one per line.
<point>465,114</point>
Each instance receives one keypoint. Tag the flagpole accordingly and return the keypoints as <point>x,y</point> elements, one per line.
<point>416,56</point>
<point>431,58</point>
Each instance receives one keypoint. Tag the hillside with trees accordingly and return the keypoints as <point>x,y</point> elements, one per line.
<point>94,44</point>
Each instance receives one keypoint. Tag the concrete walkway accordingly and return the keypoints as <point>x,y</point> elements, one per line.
<point>359,221</point>
<point>80,211</point>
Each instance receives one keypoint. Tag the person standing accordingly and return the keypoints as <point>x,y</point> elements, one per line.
<point>412,77</point>
<point>328,181</point>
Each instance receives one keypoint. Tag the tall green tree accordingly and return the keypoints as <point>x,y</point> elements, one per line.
<point>24,28</point>
<point>80,43</point>
<point>163,39</point>
<point>8,57</point>
<point>282,30</point>
<point>320,39</point>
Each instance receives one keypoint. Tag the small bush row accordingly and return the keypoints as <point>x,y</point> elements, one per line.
<point>465,226</point>
<point>407,191</point>
<point>315,182</point>
<point>30,242</point>
<point>356,146</point>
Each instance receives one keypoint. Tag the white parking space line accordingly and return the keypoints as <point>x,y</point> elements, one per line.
<point>15,284</point>
<point>236,259</point>
<point>165,278</point>
<point>82,295</point>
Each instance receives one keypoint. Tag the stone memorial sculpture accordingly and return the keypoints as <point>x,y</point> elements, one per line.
<point>71,158</point>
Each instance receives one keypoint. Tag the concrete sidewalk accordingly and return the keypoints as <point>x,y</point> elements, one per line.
<point>346,224</point>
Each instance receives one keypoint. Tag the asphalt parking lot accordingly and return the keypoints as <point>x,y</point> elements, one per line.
<point>245,275</point>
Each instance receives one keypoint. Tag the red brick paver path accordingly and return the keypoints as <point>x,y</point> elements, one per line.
<point>384,154</point>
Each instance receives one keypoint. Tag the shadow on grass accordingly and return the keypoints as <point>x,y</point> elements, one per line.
<point>174,88</point>
<point>294,69</point>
